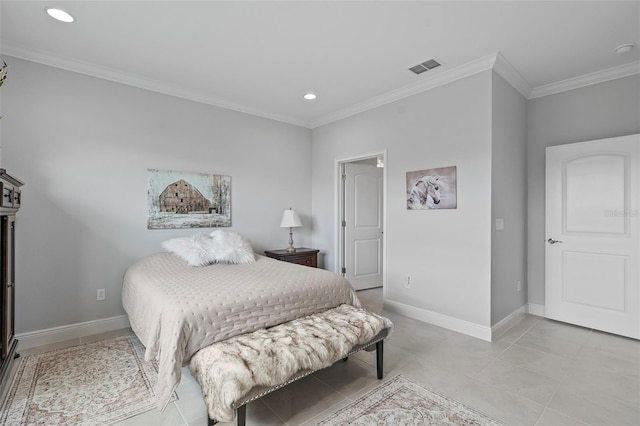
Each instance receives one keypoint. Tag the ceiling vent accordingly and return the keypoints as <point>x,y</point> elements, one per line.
<point>425,66</point>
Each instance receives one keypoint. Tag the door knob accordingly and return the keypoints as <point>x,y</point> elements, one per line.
<point>552,241</point>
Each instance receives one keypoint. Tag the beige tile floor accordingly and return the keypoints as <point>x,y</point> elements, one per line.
<point>539,372</point>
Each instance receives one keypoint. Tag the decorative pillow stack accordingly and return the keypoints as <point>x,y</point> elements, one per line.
<point>217,247</point>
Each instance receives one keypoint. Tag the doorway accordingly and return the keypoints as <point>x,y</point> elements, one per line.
<point>361,220</point>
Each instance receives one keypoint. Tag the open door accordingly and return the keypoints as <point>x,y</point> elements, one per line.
<point>592,256</point>
<point>362,224</point>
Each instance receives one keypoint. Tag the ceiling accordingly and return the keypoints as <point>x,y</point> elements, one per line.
<point>261,57</point>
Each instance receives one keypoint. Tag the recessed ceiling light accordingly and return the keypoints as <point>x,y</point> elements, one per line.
<point>59,14</point>
<point>625,48</point>
<point>310,96</point>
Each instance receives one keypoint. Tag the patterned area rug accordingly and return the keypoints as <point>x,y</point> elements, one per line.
<point>401,402</point>
<point>97,383</point>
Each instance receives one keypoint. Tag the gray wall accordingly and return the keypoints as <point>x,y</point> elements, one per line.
<point>594,112</point>
<point>83,146</point>
<point>446,126</point>
<point>508,199</point>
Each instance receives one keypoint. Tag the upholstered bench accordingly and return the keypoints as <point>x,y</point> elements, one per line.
<point>244,368</point>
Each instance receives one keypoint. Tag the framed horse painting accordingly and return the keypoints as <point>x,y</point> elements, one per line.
<point>432,189</point>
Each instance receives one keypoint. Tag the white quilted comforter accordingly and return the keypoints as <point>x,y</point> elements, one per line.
<point>176,309</point>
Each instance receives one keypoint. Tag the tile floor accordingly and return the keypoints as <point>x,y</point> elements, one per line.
<point>540,372</point>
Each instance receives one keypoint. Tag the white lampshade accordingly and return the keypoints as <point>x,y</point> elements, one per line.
<point>290,219</point>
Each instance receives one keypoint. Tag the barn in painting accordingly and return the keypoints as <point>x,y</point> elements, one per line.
<point>182,197</point>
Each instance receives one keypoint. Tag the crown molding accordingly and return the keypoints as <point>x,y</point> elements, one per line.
<point>448,76</point>
<point>586,80</point>
<point>476,66</point>
<point>495,61</point>
<point>511,75</point>
<point>140,82</point>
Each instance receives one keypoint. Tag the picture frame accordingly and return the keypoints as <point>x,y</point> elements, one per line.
<point>432,189</point>
<point>188,200</point>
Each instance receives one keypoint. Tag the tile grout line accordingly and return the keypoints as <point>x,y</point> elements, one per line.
<point>562,414</point>
<point>514,395</point>
<point>564,379</point>
<point>271,409</point>
<point>184,419</point>
<point>336,390</point>
<point>525,367</point>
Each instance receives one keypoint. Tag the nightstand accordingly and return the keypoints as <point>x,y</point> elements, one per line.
<point>302,256</point>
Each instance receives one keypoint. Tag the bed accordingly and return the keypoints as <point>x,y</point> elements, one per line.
<point>176,309</point>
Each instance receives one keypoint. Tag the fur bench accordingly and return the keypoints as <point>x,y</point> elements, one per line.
<point>244,368</point>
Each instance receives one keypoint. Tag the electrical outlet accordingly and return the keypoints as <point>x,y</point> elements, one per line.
<point>101,294</point>
<point>519,285</point>
<point>407,281</point>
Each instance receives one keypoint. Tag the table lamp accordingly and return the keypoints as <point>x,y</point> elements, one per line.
<point>290,219</point>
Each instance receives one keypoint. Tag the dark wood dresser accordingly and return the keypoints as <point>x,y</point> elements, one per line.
<point>302,256</point>
<point>9,205</point>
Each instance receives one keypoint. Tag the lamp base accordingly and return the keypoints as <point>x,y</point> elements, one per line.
<point>291,248</point>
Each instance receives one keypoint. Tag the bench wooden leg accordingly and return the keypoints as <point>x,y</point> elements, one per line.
<point>241,412</point>
<point>379,358</point>
<point>242,415</point>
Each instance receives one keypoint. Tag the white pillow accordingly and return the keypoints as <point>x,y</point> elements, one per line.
<point>230,247</point>
<point>196,250</point>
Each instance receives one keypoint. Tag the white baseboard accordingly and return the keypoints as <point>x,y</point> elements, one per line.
<point>535,309</point>
<point>508,321</point>
<point>73,331</point>
<point>450,323</point>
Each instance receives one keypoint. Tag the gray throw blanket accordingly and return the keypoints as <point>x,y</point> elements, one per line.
<point>228,370</point>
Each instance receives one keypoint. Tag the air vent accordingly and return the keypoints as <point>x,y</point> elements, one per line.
<point>425,66</point>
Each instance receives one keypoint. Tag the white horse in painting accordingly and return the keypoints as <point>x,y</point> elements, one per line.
<point>425,193</point>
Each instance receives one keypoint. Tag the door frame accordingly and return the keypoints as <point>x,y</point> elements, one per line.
<point>339,204</point>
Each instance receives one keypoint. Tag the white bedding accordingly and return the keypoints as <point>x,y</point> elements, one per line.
<point>176,309</point>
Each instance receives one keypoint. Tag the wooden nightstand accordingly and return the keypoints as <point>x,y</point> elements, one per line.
<point>302,256</point>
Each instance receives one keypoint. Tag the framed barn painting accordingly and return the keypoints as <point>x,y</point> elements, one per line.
<point>432,189</point>
<point>188,200</point>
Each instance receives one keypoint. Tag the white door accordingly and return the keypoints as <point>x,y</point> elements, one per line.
<point>363,225</point>
<point>592,273</point>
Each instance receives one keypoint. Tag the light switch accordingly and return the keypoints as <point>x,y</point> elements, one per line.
<point>499,224</point>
